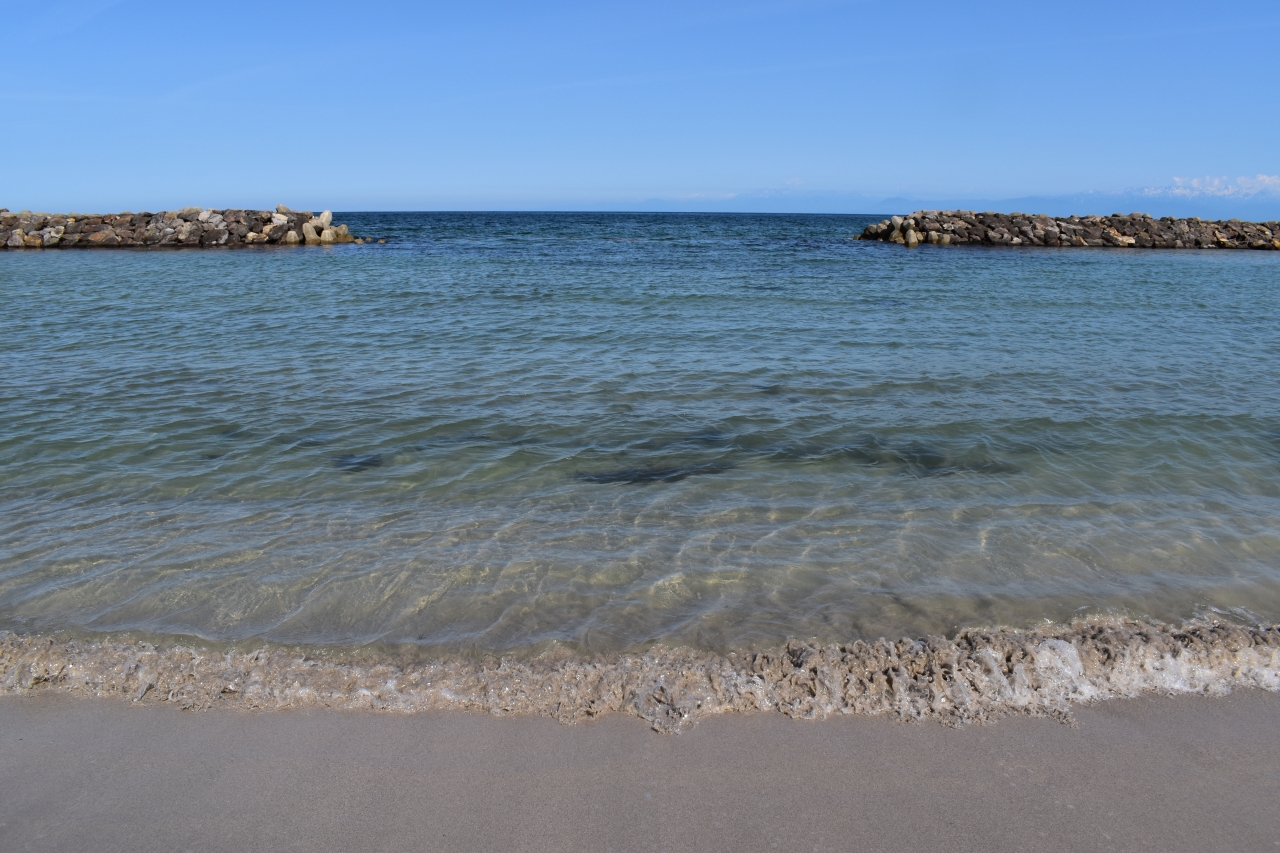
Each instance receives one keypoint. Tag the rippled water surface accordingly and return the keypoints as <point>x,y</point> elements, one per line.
<point>499,431</point>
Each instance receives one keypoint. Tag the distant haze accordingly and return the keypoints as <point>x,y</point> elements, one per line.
<point>1166,108</point>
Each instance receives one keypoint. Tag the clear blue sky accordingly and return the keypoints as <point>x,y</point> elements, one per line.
<point>495,105</point>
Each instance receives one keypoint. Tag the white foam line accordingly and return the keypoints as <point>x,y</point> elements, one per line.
<point>977,676</point>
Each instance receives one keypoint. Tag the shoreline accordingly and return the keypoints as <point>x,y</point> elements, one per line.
<point>977,676</point>
<point>1137,230</point>
<point>1185,773</point>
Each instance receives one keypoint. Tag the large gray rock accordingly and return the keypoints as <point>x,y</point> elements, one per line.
<point>309,234</point>
<point>214,237</point>
<point>16,239</point>
<point>326,219</point>
<point>189,233</point>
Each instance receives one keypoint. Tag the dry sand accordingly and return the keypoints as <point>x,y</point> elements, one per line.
<point>1171,774</point>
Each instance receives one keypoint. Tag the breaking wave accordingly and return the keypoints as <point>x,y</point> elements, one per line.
<point>979,675</point>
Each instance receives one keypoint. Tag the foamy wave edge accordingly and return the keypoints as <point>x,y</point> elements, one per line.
<point>977,676</point>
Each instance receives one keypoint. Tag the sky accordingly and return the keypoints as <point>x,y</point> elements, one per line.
<point>772,106</point>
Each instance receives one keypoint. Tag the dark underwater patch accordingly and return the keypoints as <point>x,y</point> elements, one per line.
<point>918,459</point>
<point>358,462</point>
<point>641,475</point>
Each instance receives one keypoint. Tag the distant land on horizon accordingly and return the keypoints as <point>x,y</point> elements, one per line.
<point>1256,208</point>
<point>1259,205</point>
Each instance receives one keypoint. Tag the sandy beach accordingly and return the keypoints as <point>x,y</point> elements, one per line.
<point>1185,773</point>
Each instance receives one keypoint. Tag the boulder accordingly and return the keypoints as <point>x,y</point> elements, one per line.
<point>188,232</point>
<point>326,218</point>
<point>327,236</point>
<point>291,238</point>
<point>16,239</point>
<point>214,237</point>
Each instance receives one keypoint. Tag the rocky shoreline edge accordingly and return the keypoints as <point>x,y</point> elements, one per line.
<point>978,675</point>
<point>1137,230</point>
<point>190,227</point>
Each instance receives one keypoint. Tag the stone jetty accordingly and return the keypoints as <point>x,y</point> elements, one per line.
<point>1137,230</point>
<point>189,227</point>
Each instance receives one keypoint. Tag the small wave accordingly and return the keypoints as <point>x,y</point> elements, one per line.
<point>977,676</point>
<point>354,462</point>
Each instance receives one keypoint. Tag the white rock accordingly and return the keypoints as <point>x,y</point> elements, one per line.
<point>326,218</point>
<point>309,233</point>
<point>328,236</point>
<point>16,239</point>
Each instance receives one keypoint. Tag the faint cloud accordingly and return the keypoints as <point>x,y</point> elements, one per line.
<point>695,196</point>
<point>795,182</point>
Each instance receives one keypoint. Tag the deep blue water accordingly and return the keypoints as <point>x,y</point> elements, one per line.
<point>498,431</point>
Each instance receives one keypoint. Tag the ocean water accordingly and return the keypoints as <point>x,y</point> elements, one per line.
<point>508,433</point>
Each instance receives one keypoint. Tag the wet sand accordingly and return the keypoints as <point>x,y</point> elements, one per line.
<point>1185,773</point>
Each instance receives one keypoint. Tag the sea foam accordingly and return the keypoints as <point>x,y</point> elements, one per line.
<point>977,676</point>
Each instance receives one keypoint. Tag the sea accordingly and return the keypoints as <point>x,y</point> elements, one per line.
<point>548,443</point>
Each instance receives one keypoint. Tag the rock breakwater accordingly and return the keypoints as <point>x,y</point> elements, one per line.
<point>1137,230</point>
<point>189,227</point>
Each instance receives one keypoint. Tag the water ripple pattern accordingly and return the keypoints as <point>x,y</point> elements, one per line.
<point>505,432</point>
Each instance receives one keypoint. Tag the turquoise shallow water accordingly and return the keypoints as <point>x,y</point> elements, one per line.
<point>501,431</point>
